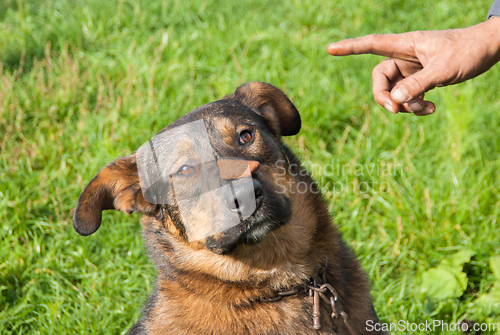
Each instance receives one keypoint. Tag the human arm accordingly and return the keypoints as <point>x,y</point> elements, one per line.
<point>421,60</point>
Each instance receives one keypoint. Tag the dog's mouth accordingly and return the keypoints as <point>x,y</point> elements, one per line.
<point>260,230</point>
<point>269,215</point>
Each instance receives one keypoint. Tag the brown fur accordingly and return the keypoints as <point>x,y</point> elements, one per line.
<point>213,286</point>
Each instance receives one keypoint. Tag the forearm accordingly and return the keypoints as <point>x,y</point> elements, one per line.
<point>495,9</point>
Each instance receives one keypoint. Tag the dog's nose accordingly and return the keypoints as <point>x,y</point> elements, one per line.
<point>236,168</point>
<point>240,198</point>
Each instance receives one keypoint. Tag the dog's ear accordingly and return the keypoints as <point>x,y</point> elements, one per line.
<point>278,112</point>
<point>117,187</point>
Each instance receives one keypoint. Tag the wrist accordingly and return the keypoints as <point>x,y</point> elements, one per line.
<point>493,29</point>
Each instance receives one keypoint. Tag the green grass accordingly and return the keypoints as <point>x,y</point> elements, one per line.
<point>83,82</point>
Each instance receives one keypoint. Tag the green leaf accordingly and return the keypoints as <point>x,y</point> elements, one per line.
<point>442,283</point>
<point>458,259</point>
<point>488,304</point>
<point>495,266</point>
<point>446,281</point>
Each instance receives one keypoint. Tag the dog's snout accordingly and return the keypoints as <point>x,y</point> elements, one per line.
<point>240,197</point>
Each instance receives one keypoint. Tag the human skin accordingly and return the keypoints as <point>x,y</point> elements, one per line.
<point>418,61</point>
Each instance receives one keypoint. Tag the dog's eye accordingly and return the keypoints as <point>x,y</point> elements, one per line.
<point>185,169</point>
<point>245,137</point>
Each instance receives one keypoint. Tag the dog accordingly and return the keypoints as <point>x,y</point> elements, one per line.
<point>238,247</point>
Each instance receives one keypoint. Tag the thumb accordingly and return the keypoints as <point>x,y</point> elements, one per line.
<point>416,85</point>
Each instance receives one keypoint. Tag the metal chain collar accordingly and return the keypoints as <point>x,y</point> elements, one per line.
<point>324,291</point>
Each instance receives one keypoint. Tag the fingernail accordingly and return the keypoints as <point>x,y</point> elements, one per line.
<point>388,106</point>
<point>400,95</point>
<point>415,106</point>
<point>428,111</point>
<point>331,48</point>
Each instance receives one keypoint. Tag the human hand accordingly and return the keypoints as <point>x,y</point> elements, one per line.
<point>421,60</point>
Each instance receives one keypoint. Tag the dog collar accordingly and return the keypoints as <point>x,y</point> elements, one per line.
<point>317,289</point>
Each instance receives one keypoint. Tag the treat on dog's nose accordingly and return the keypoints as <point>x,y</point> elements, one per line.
<point>236,168</point>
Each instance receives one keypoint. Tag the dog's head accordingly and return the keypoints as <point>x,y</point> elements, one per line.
<point>217,175</point>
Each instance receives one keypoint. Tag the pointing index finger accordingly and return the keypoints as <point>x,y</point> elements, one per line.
<point>390,45</point>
